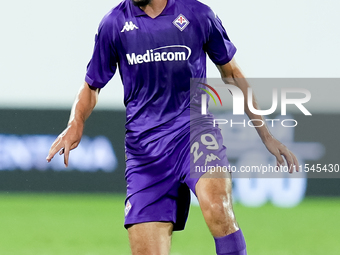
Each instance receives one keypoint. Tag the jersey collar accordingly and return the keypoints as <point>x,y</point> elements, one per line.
<point>168,10</point>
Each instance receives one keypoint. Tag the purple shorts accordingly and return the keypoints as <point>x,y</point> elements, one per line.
<point>158,189</point>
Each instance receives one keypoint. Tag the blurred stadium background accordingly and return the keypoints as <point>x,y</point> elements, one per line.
<point>47,209</point>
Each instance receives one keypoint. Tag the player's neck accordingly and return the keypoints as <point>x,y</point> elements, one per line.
<point>154,8</point>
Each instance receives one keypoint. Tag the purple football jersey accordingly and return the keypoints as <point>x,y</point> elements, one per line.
<point>156,59</point>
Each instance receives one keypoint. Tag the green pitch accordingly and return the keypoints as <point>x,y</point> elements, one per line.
<point>50,224</point>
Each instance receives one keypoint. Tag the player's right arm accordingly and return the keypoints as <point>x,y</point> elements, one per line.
<point>100,70</point>
<point>70,138</point>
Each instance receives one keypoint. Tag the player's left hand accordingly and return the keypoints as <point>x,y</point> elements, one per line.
<point>278,150</point>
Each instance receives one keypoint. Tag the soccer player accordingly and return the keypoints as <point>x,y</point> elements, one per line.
<point>158,46</point>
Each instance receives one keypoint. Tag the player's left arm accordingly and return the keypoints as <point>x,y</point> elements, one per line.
<point>232,74</point>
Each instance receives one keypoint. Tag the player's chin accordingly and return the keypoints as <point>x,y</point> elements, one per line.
<point>141,3</point>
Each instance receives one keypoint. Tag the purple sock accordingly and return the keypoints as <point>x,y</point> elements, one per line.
<point>233,244</point>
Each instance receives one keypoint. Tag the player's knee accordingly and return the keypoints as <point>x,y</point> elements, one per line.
<point>215,208</point>
<point>219,216</point>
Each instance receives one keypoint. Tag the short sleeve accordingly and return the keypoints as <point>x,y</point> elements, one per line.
<point>103,64</point>
<point>219,48</point>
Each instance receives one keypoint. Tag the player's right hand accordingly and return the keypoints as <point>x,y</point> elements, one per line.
<point>68,140</point>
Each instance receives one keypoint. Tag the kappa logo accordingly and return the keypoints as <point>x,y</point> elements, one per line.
<point>129,26</point>
<point>181,22</point>
<point>127,207</point>
<point>210,158</point>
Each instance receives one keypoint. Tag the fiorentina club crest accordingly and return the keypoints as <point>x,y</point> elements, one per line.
<point>127,207</point>
<point>181,22</point>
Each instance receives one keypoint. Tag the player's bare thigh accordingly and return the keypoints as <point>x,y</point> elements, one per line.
<point>215,198</point>
<point>150,238</point>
